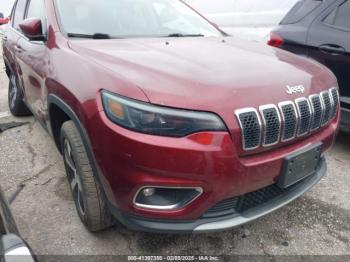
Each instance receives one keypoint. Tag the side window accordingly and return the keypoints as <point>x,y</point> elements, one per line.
<point>342,18</point>
<point>300,10</point>
<point>36,9</point>
<point>19,13</point>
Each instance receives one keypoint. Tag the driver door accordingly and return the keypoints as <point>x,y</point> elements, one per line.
<point>33,61</point>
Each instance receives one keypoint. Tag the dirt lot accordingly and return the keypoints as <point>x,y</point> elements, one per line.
<point>316,224</point>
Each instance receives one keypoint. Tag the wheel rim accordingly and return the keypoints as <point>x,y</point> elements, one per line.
<point>73,178</point>
<point>13,92</point>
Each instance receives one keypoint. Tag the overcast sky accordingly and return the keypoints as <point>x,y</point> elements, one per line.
<point>6,6</point>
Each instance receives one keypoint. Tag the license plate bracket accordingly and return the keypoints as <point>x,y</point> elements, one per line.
<point>300,165</point>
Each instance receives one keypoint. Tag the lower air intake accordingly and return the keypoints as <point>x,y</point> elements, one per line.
<point>246,202</point>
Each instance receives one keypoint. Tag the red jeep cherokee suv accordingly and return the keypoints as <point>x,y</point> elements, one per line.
<point>165,122</point>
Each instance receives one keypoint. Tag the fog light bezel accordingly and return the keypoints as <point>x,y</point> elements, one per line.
<point>173,207</point>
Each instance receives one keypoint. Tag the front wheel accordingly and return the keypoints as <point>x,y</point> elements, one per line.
<point>15,99</point>
<point>87,193</point>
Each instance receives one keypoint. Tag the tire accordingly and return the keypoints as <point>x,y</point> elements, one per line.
<point>15,99</point>
<point>88,196</point>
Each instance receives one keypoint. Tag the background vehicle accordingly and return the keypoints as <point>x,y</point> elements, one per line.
<point>12,247</point>
<point>3,20</point>
<point>321,30</point>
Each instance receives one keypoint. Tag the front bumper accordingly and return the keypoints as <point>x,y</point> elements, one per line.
<point>129,161</point>
<point>225,222</point>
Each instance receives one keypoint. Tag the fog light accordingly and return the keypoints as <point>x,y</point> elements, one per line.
<point>166,198</point>
<point>149,191</point>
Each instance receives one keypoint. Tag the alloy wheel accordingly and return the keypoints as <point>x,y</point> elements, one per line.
<point>73,178</point>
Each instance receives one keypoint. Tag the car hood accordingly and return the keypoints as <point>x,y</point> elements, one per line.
<point>212,74</point>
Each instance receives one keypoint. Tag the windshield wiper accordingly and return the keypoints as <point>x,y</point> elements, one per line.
<point>184,35</point>
<point>94,36</point>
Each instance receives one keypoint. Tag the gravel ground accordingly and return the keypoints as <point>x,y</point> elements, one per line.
<point>316,224</point>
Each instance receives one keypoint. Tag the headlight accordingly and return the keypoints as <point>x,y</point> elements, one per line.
<point>157,120</point>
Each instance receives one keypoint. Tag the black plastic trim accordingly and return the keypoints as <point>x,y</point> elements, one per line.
<point>55,100</point>
<point>9,69</point>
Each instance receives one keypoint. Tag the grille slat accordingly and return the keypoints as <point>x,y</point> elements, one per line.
<point>327,105</point>
<point>289,120</point>
<point>317,109</point>
<point>335,97</point>
<point>305,116</point>
<point>250,128</point>
<point>272,124</point>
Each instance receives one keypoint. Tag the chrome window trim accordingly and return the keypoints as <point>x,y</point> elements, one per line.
<point>313,112</point>
<point>297,101</point>
<point>165,208</point>
<point>280,106</point>
<point>248,110</point>
<point>261,109</point>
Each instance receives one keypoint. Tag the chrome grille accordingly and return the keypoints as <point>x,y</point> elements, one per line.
<point>289,120</point>
<point>305,115</point>
<point>272,124</point>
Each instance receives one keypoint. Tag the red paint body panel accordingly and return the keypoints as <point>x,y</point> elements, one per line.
<point>218,75</point>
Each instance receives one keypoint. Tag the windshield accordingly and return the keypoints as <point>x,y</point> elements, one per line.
<point>131,18</point>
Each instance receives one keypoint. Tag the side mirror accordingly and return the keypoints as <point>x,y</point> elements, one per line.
<point>13,249</point>
<point>32,28</point>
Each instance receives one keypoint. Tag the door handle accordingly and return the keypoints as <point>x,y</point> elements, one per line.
<point>332,49</point>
